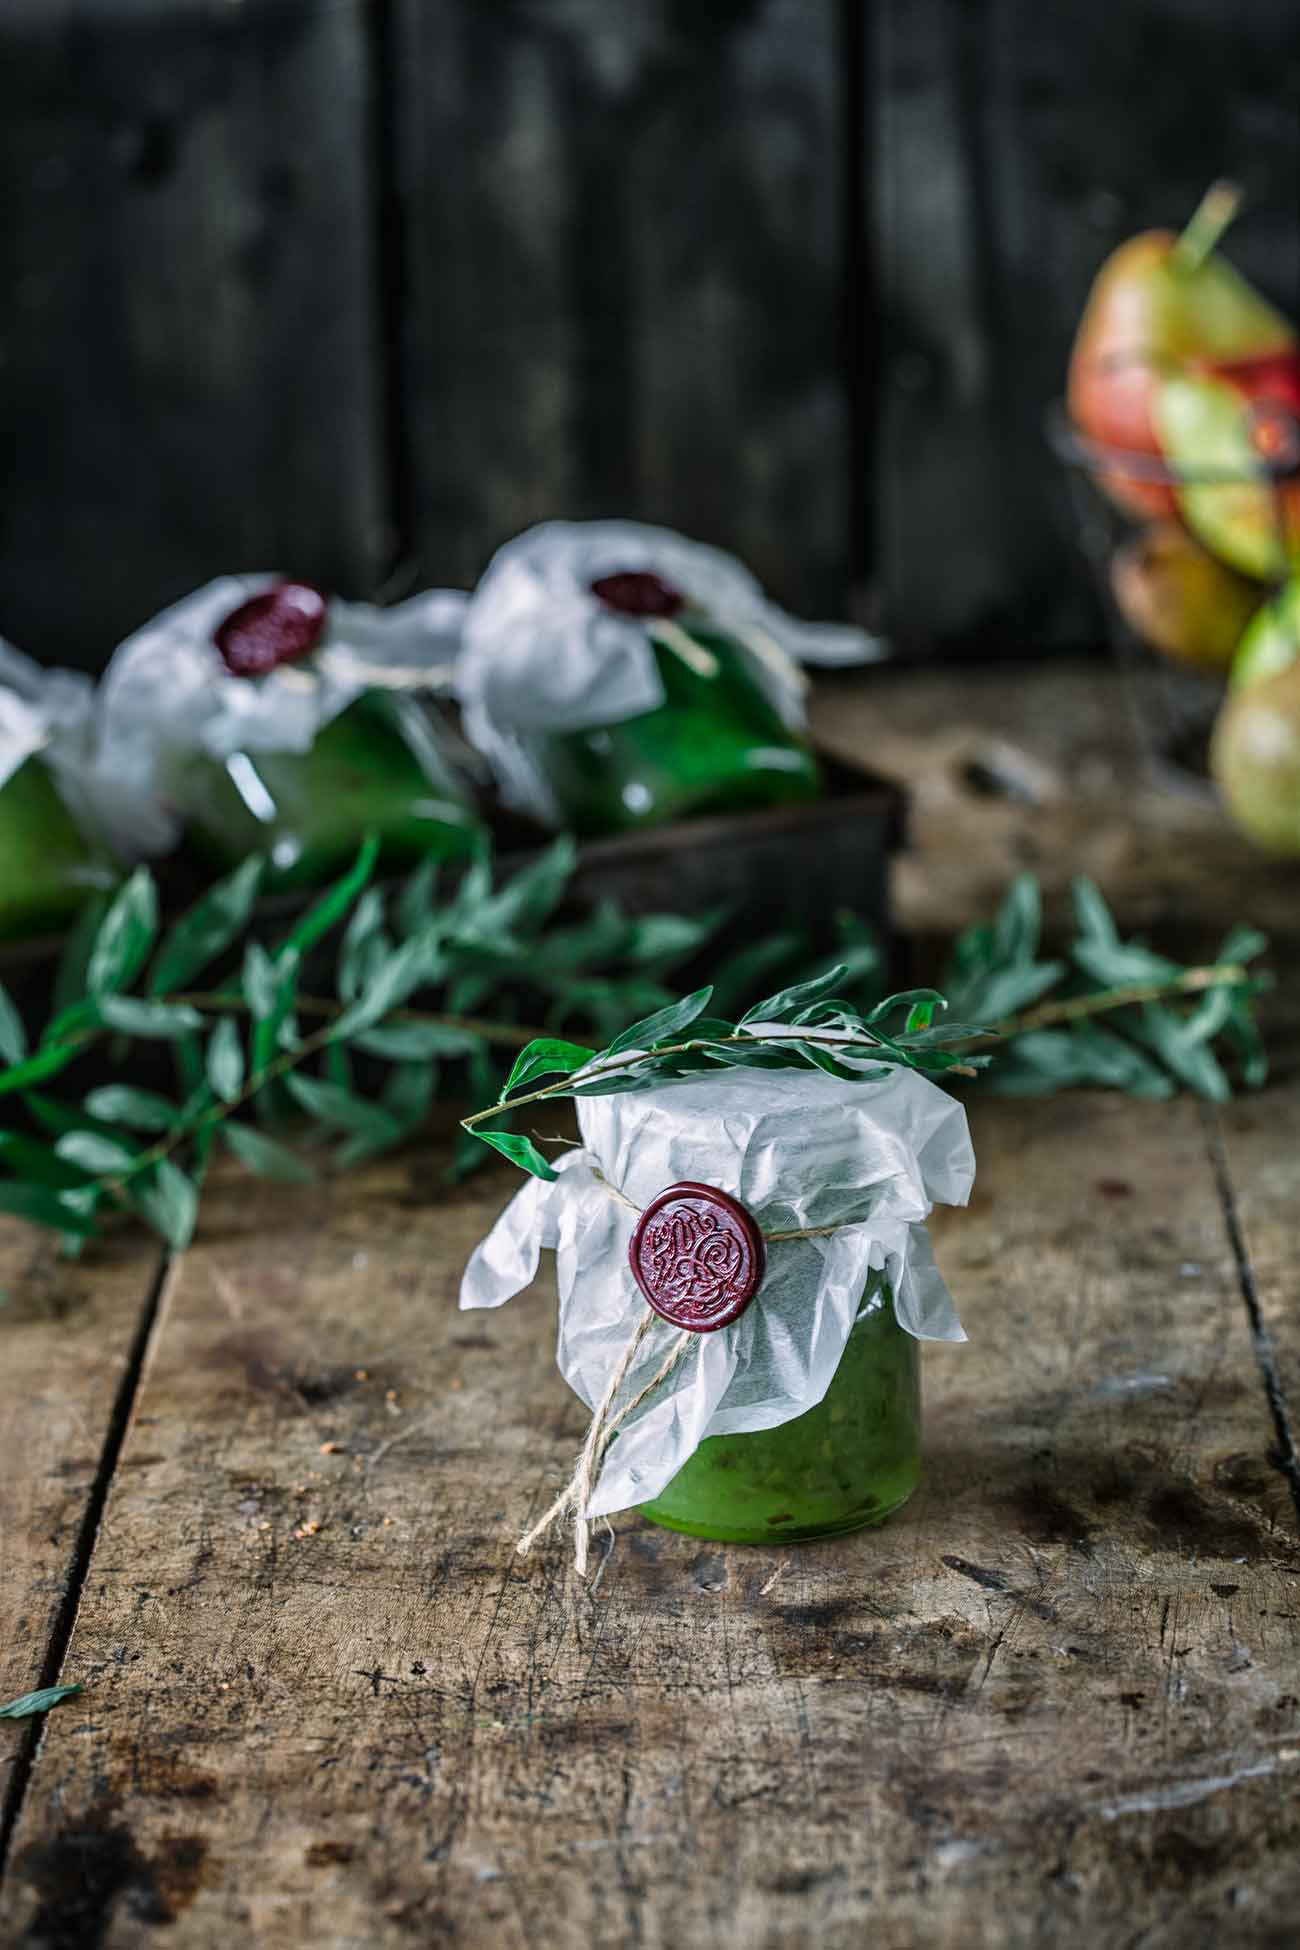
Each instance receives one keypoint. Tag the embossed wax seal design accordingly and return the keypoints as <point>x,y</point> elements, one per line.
<point>697,1256</point>
<point>277,627</point>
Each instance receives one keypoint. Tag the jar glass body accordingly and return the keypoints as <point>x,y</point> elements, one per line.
<point>47,869</point>
<point>716,744</point>
<point>375,768</point>
<point>848,1462</point>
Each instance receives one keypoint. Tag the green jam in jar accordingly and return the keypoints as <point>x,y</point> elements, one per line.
<point>373,769</point>
<point>716,744</point>
<point>848,1462</point>
<point>47,870</point>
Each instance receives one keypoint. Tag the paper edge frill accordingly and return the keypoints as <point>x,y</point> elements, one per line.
<point>166,694</point>
<point>533,609</point>
<point>45,711</point>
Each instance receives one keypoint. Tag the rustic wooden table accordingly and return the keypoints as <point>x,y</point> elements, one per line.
<point>263,1503</point>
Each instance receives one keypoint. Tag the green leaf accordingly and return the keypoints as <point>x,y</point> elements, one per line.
<point>520,1150</point>
<point>45,1063</point>
<point>408,1094</point>
<point>1018,921</point>
<point>169,1201</point>
<point>126,934</point>
<point>663,1024</point>
<point>911,999</point>
<point>224,1063</point>
<point>415,906</point>
<point>329,910</point>
<point>668,937</point>
<point>39,1163</point>
<point>207,928</point>
<point>13,1037</point>
<point>1162,1030</point>
<point>99,1155</point>
<point>530,896</point>
<point>339,1108</point>
<point>139,1110</point>
<point>1242,944</point>
<point>364,928</point>
<point>1092,917</point>
<point>259,982</point>
<point>415,962</point>
<point>265,1156</point>
<point>62,1211</point>
<point>70,975</point>
<point>776,1008</point>
<point>41,1702</point>
<point>546,1056</point>
<point>401,1042</point>
<point>152,1021</point>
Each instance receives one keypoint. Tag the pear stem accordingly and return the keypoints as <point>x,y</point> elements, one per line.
<point>1209,220</point>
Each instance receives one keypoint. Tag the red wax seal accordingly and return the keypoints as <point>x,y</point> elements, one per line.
<point>638,592</point>
<point>277,627</point>
<point>698,1257</point>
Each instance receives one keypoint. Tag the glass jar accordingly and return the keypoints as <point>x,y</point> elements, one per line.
<point>847,1463</point>
<point>375,768</point>
<point>47,869</point>
<point>716,744</point>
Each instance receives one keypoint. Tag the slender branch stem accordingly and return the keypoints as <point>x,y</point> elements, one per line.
<point>1072,1008</point>
<point>1190,981</point>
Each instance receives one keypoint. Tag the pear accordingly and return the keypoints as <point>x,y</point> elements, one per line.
<point>1205,427</point>
<point>1174,596</point>
<point>1164,306</point>
<point>1255,759</point>
<point>1272,642</point>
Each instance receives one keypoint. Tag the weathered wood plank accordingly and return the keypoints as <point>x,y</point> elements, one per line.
<point>189,372</point>
<point>68,1337</point>
<point>623,240</point>
<point>1036,766</point>
<point>1054,1702</point>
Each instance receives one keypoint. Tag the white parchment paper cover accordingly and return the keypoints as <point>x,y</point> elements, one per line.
<point>799,1148</point>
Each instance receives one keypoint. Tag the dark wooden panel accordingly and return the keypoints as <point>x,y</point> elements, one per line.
<point>188,367</point>
<point>1012,147</point>
<point>624,262</point>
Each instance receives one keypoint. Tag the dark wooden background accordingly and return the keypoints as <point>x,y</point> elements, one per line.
<point>358,290</point>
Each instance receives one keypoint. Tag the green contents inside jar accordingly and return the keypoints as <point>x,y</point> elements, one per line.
<point>47,869</point>
<point>716,744</point>
<point>375,768</point>
<point>848,1462</point>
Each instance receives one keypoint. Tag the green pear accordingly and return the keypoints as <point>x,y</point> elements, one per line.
<point>1272,641</point>
<point>1255,759</point>
<point>1205,428</point>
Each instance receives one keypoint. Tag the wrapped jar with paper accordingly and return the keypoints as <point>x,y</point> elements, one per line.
<point>744,1271</point>
<point>49,861</point>
<point>260,716</point>
<point>617,675</point>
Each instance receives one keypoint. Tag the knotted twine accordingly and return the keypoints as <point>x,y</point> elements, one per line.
<point>606,1421</point>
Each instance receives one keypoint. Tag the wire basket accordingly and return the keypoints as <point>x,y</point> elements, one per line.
<point>1174,705</point>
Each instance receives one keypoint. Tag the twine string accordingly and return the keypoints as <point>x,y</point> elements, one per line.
<point>606,1421</point>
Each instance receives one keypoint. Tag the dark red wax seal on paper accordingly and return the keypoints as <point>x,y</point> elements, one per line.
<point>698,1257</point>
<point>277,627</point>
<point>638,592</point>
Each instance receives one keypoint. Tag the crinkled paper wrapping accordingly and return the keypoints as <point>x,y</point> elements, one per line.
<point>44,711</point>
<point>542,654</point>
<point>167,693</point>
<point>799,1148</point>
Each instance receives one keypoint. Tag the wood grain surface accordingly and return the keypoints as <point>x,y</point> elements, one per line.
<point>1055,1701</point>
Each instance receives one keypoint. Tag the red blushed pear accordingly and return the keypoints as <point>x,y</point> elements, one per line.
<point>1164,306</point>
